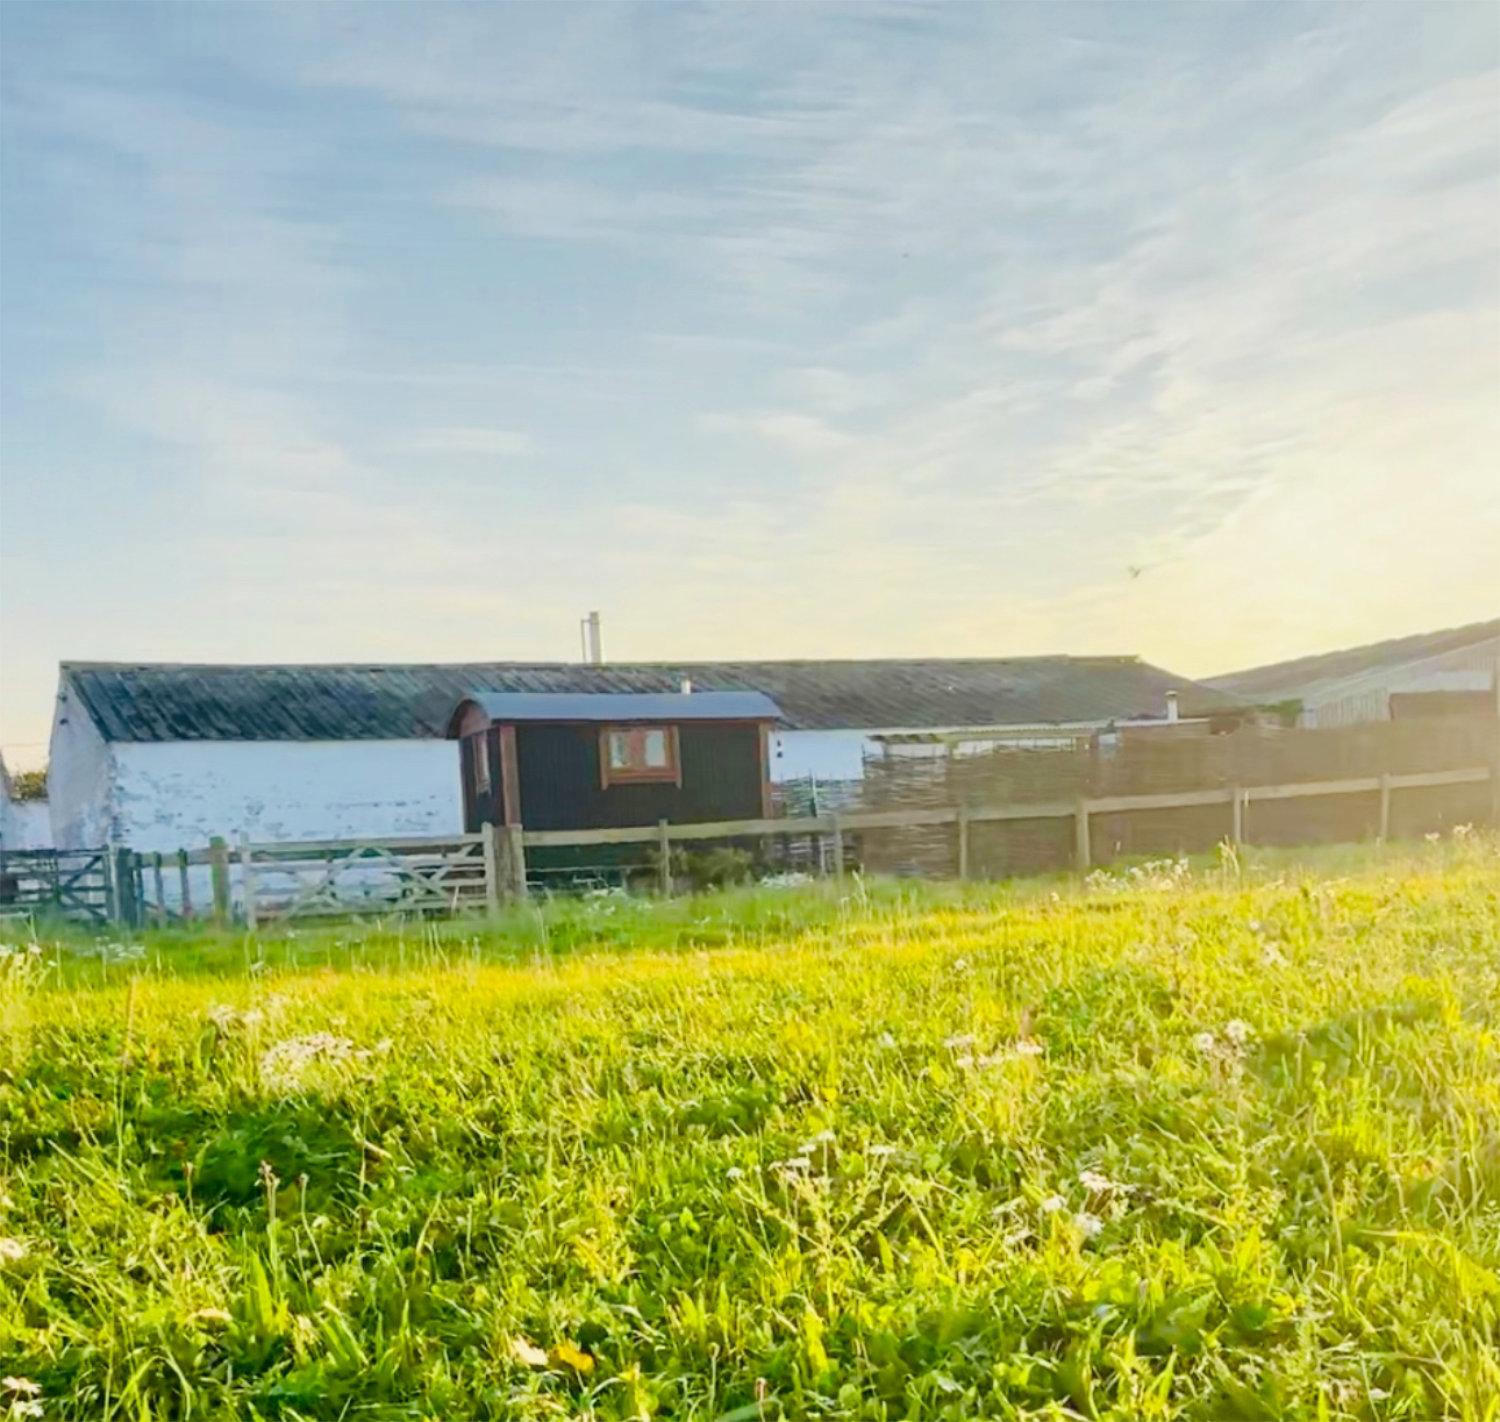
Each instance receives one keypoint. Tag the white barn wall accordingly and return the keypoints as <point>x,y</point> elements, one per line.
<point>178,794</point>
<point>80,780</point>
<point>25,824</point>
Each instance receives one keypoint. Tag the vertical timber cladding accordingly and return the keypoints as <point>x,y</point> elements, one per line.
<point>560,781</point>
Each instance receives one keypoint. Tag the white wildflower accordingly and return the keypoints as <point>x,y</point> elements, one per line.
<point>960,965</point>
<point>283,1065</point>
<point>23,1386</point>
<point>1432,836</point>
<point>1205,1043</point>
<point>886,1041</point>
<point>1272,957</point>
<point>1098,1183</point>
<point>1052,1204</point>
<point>1028,1048</point>
<point>734,1173</point>
<point>1238,1031</point>
<point>30,1407</point>
<point>797,1162</point>
<point>964,1062</point>
<point>209,1315</point>
<point>1089,1226</point>
<point>1463,831</point>
<point>11,1250</point>
<point>881,1151</point>
<point>959,1041</point>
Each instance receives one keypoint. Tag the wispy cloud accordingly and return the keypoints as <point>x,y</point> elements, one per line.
<point>863,328</point>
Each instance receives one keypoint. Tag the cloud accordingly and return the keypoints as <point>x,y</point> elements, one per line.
<point>797,434</point>
<point>473,440</point>
<point>889,328</point>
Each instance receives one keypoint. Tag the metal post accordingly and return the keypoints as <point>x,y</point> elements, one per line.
<point>1081,834</point>
<point>664,854</point>
<point>492,887</point>
<point>247,871</point>
<point>963,842</point>
<point>1384,832</point>
<point>837,833</point>
<point>1237,816</point>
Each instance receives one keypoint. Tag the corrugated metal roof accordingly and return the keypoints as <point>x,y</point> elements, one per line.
<point>167,702</point>
<point>1319,675</point>
<point>626,706</point>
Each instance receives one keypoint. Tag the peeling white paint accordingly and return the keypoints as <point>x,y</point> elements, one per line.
<point>80,779</point>
<point>179,794</point>
<point>25,824</point>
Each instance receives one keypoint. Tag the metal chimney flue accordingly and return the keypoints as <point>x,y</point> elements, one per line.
<point>593,639</point>
<point>1171,706</point>
<point>687,686</point>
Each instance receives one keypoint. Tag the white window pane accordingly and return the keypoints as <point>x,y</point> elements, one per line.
<point>619,750</point>
<point>656,750</point>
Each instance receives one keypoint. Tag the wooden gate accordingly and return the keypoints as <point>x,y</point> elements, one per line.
<point>339,877</point>
<point>58,883</point>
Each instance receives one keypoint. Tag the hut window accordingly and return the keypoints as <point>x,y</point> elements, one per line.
<point>629,754</point>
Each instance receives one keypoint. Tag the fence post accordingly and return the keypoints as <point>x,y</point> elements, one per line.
<point>1495,764</point>
<point>247,874</point>
<point>963,842</point>
<point>837,831</point>
<point>1237,816</point>
<point>218,850</point>
<point>515,861</point>
<point>1081,834</point>
<point>185,883</point>
<point>490,840</point>
<point>159,886</point>
<point>664,853</point>
<point>122,872</point>
<point>111,892</point>
<point>1384,832</point>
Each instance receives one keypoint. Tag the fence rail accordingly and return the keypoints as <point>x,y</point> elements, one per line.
<point>267,883</point>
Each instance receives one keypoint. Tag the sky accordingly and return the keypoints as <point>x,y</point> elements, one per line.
<point>413,333</point>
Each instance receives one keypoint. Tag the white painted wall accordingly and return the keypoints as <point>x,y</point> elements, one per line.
<point>178,794</point>
<point>25,824</point>
<point>828,755</point>
<point>80,780</point>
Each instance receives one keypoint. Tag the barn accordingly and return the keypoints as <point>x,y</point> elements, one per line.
<point>161,756</point>
<point>1453,672</point>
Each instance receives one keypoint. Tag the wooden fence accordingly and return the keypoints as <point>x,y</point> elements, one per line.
<point>270,883</point>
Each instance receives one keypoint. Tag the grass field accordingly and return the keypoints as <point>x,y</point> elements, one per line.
<point>1223,1145</point>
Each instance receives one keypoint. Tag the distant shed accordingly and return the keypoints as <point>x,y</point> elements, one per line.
<point>593,761</point>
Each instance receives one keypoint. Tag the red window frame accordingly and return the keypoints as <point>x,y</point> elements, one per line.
<point>640,773</point>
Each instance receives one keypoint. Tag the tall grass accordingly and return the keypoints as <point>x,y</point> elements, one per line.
<point>1213,1146</point>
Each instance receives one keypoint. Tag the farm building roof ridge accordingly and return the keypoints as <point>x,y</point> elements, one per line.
<point>1298,675</point>
<point>141,701</point>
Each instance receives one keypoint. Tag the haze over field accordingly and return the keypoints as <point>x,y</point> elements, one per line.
<point>338,333</point>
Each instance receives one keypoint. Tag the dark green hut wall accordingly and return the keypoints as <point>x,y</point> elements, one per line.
<point>560,787</point>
